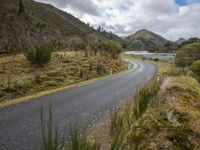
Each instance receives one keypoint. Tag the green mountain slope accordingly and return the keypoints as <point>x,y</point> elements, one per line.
<point>34,23</point>
<point>144,39</point>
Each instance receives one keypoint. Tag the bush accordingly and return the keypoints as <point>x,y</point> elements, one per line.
<point>187,54</point>
<point>39,55</point>
<point>112,47</point>
<point>195,67</point>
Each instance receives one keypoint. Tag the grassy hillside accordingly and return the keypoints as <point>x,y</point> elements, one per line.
<point>38,22</point>
<point>144,39</point>
<point>19,78</point>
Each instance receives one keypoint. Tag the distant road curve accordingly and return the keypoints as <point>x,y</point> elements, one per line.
<point>20,124</point>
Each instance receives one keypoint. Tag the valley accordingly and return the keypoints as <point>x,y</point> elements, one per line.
<point>99,75</point>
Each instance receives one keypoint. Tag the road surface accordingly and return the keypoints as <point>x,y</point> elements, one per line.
<point>20,124</point>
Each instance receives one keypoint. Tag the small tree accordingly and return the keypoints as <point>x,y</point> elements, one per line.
<point>112,47</point>
<point>93,41</point>
<point>99,29</point>
<point>39,55</point>
<point>111,35</point>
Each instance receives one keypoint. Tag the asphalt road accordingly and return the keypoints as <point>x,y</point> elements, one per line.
<point>20,124</point>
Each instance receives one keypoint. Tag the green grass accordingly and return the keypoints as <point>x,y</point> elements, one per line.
<point>127,56</point>
<point>53,139</point>
<point>121,119</point>
<point>50,138</point>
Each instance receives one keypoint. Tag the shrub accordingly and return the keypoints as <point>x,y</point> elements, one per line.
<point>156,59</point>
<point>195,67</point>
<point>39,55</point>
<point>112,47</point>
<point>187,54</point>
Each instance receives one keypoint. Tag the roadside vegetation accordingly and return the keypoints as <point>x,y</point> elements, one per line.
<point>173,120</point>
<point>163,114</point>
<point>187,54</point>
<point>53,139</point>
<point>31,73</point>
<point>38,54</point>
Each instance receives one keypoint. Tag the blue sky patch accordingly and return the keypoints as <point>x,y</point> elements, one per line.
<point>181,2</point>
<point>186,2</point>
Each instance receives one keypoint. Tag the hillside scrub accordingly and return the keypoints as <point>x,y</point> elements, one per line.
<point>187,54</point>
<point>18,78</point>
<point>25,23</point>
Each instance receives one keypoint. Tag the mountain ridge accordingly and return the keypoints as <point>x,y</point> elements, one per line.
<point>145,39</point>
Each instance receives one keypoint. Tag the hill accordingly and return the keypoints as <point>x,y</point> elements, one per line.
<point>190,41</point>
<point>180,41</point>
<point>145,39</point>
<point>25,23</point>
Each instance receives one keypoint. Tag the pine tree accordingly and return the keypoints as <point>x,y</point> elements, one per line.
<point>111,35</point>
<point>99,29</point>
<point>21,7</point>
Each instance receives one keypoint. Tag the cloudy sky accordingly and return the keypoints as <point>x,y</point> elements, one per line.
<point>170,18</point>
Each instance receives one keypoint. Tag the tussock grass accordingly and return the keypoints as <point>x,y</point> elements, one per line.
<point>80,141</point>
<point>144,97</point>
<point>122,119</point>
<point>19,79</point>
<point>53,139</point>
<point>50,136</point>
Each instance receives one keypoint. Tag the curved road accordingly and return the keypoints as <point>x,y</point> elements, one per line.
<point>20,124</point>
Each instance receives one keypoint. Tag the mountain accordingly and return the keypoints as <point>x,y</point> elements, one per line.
<point>180,41</point>
<point>24,23</point>
<point>145,39</point>
<point>190,40</point>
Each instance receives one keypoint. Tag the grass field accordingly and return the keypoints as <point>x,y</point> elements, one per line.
<point>19,78</point>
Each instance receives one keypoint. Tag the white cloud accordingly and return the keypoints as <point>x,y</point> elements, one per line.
<point>124,17</point>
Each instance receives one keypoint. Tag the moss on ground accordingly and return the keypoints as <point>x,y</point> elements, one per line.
<point>174,123</point>
<point>19,78</point>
